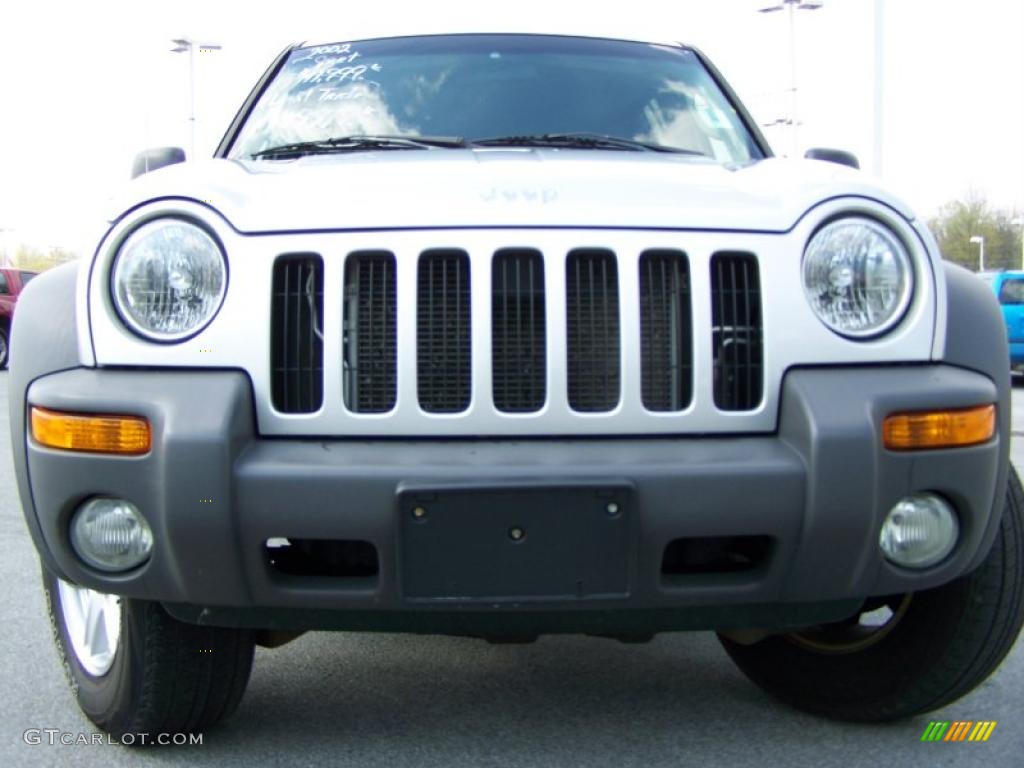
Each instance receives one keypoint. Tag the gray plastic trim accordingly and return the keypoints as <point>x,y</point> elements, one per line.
<point>44,338</point>
<point>214,492</point>
<point>976,340</point>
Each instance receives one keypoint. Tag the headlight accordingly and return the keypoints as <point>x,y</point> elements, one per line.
<point>169,279</point>
<point>857,277</point>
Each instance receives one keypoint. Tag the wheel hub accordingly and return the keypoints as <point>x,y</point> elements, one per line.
<point>876,620</point>
<point>93,623</point>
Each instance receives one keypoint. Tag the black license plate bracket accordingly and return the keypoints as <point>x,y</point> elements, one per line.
<point>516,544</point>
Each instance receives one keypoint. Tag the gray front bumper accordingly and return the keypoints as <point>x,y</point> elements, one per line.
<point>214,491</point>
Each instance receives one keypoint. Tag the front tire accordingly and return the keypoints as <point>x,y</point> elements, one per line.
<point>135,669</point>
<point>936,646</point>
<point>5,348</point>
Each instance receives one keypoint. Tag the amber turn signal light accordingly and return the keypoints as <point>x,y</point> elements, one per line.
<point>939,429</point>
<point>93,433</point>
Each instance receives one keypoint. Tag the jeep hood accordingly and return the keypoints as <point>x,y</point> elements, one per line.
<point>399,189</point>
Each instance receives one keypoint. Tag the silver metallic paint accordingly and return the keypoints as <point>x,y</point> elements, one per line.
<point>238,336</point>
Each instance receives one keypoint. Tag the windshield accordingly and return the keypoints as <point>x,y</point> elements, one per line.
<point>480,87</point>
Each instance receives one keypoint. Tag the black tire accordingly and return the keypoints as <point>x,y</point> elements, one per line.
<point>938,645</point>
<point>5,348</point>
<point>166,677</point>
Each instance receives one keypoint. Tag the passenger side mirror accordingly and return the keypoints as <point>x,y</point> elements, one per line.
<point>833,156</point>
<point>151,159</point>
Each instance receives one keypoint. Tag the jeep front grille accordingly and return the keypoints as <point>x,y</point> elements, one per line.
<point>592,329</point>
<point>296,337</point>
<point>666,347</point>
<point>370,360</point>
<point>564,339</point>
<point>518,331</point>
<point>736,331</point>
<point>443,373</point>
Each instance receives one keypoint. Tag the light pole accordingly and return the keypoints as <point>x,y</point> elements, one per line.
<point>981,250</point>
<point>879,87</point>
<point>793,6</point>
<point>182,45</point>
<point>1020,223</point>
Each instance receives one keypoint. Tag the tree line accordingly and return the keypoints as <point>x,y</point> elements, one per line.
<point>960,220</point>
<point>34,259</point>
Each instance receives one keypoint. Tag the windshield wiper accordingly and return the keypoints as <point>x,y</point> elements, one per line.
<point>578,140</point>
<point>359,143</point>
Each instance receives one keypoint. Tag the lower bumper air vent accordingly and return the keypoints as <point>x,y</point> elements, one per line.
<point>340,558</point>
<point>715,555</point>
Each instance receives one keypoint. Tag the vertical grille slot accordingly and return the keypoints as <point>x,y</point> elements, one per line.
<point>296,333</point>
<point>443,352</point>
<point>666,346</point>
<point>370,375</point>
<point>518,331</point>
<point>736,333</point>
<point>592,326</point>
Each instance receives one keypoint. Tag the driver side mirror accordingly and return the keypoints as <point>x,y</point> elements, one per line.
<point>151,159</point>
<point>833,156</point>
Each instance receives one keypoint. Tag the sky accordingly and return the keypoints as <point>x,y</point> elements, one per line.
<point>84,86</point>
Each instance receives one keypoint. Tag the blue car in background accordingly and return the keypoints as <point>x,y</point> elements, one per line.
<point>1009,289</point>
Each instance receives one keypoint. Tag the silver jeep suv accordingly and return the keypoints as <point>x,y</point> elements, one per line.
<point>504,335</point>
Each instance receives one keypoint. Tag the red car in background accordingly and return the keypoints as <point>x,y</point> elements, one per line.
<point>12,283</point>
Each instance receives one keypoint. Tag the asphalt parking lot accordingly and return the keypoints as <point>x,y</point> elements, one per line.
<point>389,700</point>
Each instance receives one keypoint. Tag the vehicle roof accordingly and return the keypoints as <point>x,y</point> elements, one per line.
<point>506,33</point>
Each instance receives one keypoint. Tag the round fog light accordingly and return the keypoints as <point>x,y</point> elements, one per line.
<point>919,531</point>
<point>111,535</point>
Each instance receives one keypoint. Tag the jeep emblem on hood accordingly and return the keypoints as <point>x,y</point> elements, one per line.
<point>519,195</point>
